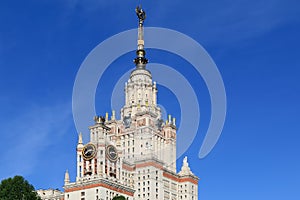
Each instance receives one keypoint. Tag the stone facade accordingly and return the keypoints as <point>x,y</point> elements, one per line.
<point>134,156</point>
<point>142,164</point>
<point>51,194</point>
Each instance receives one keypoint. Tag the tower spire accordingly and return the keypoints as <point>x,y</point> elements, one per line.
<point>67,177</point>
<point>140,60</point>
<point>80,138</point>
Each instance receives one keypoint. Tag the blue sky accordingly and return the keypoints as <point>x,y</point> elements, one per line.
<point>255,45</point>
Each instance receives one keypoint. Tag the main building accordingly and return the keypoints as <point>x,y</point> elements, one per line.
<point>135,156</point>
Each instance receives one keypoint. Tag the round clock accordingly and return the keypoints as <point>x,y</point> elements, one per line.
<point>89,151</point>
<point>111,153</point>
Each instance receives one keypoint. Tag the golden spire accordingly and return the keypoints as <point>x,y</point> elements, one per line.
<point>140,61</point>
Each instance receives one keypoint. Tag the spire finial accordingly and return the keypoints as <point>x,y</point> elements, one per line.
<point>67,177</point>
<point>80,138</point>
<point>140,61</point>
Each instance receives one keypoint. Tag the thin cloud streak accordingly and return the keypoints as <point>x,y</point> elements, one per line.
<point>245,20</point>
<point>31,134</point>
<point>227,21</point>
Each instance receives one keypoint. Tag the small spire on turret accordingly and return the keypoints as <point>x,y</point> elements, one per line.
<point>67,177</point>
<point>80,142</point>
<point>80,138</point>
<point>106,116</point>
<point>113,116</point>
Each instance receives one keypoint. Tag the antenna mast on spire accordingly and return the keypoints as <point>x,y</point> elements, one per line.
<point>140,61</point>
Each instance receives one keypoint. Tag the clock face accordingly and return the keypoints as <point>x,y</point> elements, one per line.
<point>89,151</point>
<point>111,153</point>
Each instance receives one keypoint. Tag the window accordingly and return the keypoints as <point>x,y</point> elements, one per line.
<point>82,193</point>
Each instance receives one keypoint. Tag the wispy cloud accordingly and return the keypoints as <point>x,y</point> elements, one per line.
<point>227,21</point>
<point>28,135</point>
<point>247,19</point>
<point>90,5</point>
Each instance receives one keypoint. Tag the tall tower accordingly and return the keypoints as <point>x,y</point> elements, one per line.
<point>142,116</point>
<point>134,156</point>
<point>140,91</point>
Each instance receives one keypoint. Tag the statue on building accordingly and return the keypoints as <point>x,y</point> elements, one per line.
<point>141,14</point>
